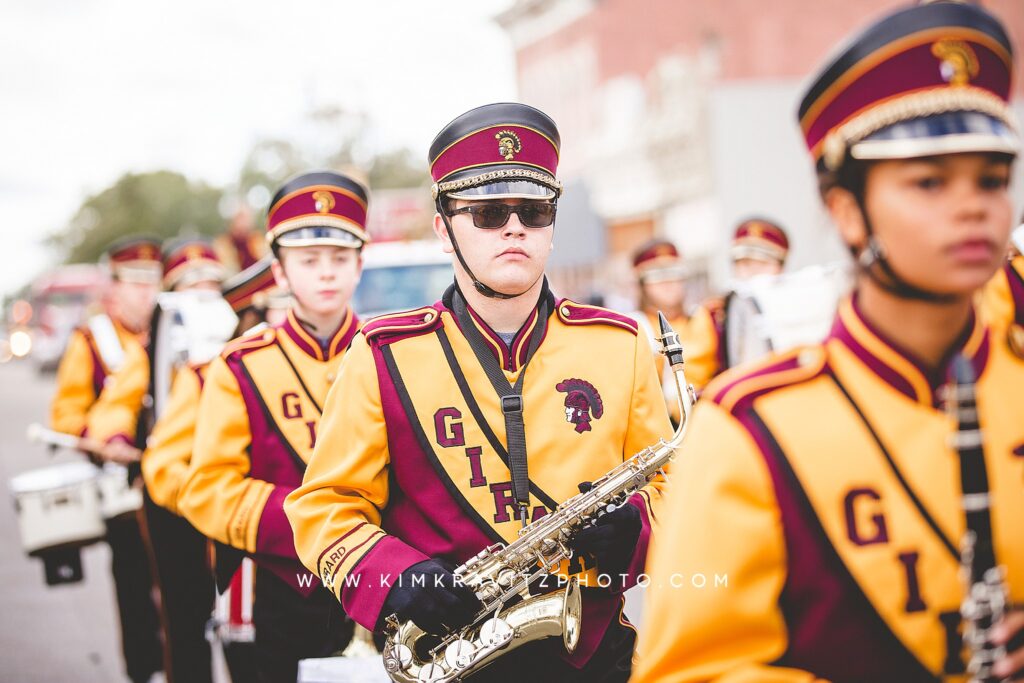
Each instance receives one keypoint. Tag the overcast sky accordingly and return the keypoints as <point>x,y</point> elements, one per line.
<point>92,89</point>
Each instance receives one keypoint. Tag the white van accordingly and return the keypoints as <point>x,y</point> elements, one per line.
<point>398,276</point>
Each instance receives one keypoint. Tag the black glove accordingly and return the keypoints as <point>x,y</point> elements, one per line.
<point>428,594</point>
<point>611,540</point>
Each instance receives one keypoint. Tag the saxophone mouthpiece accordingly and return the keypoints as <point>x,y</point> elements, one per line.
<point>670,345</point>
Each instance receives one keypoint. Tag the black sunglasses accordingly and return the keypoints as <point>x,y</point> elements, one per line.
<point>495,215</point>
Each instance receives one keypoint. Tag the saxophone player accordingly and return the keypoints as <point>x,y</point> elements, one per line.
<point>451,426</point>
<point>824,482</point>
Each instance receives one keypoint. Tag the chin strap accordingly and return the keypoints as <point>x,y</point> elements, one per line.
<point>873,254</point>
<point>477,284</point>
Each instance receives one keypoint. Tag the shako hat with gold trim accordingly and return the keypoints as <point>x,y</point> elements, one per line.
<point>497,151</point>
<point>189,260</point>
<point>930,79</point>
<point>253,287</point>
<point>658,260</point>
<point>760,239</point>
<point>319,208</point>
<point>135,259</point>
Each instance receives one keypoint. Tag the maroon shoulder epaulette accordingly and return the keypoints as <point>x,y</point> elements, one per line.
<point>572,313</point>
<point>249,342</point>
<point>738,386</point>
<point>386,327</point>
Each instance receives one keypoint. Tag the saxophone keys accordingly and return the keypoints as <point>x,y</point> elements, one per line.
<point>459,654</point>
<point>495,632</point>
<point>430,673</point>
<point>398,658</point>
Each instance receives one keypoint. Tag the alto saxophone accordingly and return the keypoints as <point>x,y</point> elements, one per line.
<point>500,574</point>
<point>986,595</point>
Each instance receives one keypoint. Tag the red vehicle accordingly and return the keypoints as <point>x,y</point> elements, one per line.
<point>60,301</point>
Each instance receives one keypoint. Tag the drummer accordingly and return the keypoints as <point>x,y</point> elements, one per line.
<point>94,352</point>
<point>759,247</point>
<point>179,550</point>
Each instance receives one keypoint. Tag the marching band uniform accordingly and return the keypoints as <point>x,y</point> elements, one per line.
<point>185,263</point>
<point>424,475</point>
<point>259,419</point>
<point>708,352</point>
<point>238,250</point>
<point>659,261</point>
<point>177,551</point>
<point>94,353</point>
<point>998,299</point>
<point>820,486</point>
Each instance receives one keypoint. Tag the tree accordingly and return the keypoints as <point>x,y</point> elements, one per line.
<point>162,204</point>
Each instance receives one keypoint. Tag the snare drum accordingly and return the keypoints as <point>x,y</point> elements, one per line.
<point>117,496</point>
<point>58,507</point>
<point>232,612</point>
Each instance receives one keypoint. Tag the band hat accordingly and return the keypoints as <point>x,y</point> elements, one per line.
<point>659,260</point>
<point>250,287</point>
<point>135,259</point>
<point>319,208</point>
<point>190,260</point>
<point>497,151</point>
<point>761,240</point>
<point>926,80</point>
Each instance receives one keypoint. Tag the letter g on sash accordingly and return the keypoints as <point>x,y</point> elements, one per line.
<point>291,407</point>
<point>874,524</point>
<point>448,428</point>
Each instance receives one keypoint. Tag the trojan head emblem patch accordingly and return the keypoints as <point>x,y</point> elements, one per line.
<point>582,403</point>
<point>324,201</point>
<point>508,144</point>
<point>959,63</point>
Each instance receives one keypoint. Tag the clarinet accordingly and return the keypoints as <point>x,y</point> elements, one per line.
<point>986,595</point>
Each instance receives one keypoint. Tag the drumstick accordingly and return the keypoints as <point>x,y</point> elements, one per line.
<point>40,434</point>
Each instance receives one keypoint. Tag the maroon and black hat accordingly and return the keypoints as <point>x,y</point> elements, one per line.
<point>320,207</point>
<point>930,79</point>
<point>659,260</point>
<point>189,260</point>
<point>135,259</point>
<point>759,239</point>
<point>254,287</point>
<point>497,151</point>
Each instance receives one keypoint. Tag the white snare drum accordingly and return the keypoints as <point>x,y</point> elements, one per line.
<point>232,611</point>
<point>117,497</point>
<point>775,313</point>
<point>58,506</point>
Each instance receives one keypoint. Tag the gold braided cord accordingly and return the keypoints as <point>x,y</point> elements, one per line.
<point>911,106</point>
<point>317,220</point>
<point>493,176</point>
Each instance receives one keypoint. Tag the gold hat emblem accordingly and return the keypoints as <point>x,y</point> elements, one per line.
<point>509,144</point>
<point>147,252</point>
<point>756,230</point>
<point>959,62</point>
<point>323,201</point>
<point>193,252</point>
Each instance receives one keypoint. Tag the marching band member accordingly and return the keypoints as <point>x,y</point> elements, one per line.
<point>241,246</point>
<point>179,551</point>
<point>661,276</point>
<point>259,419</point>
<point>759,247</point>
<point>411,475</point>
<point>824,486</point>
<point>188,264</point>
<point>95,352</point>
<point>998,300</point>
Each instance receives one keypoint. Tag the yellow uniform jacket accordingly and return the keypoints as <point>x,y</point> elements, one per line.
<point>169,448</point>
<point>705,352</point>
<point>116,413</point>
<point>1000,299</point>
<point>412,464</point>
<point>817,515</point>
<point>259,418</point>
<point>81,377</point>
